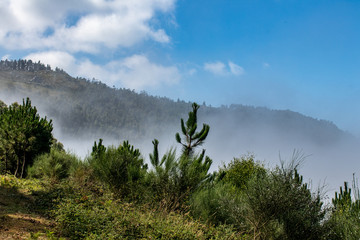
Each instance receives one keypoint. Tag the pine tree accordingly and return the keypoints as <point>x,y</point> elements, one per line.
<point>192,138</point>
<point>23,135</point>
<point>193,168</point>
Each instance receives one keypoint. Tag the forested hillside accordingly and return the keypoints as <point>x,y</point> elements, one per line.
<point>82,107</point>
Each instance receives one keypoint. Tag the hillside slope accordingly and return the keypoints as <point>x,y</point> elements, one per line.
<point>85,110</point>
<point>83,107</point>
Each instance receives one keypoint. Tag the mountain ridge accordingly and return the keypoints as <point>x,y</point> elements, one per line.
<point>84,104</point>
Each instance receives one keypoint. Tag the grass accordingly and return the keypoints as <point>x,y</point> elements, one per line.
<point>27,211</point>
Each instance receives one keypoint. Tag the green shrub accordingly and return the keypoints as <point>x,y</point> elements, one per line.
<point>222,201</point>
<point>86,217</point>
<point>240,170</point>
<point>55,165</point>
<point>173,180</point>
<point>10,181</point>
<point>84,181</point>
<point>121,168</point>
<point>161,179</point>
<point>345,217</point>
<point>280,205</point>
<point>217,204</point>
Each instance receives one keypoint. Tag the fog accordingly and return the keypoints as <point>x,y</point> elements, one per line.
<point>326,163</point>
<point>325,166</point>
<point>330,165</point>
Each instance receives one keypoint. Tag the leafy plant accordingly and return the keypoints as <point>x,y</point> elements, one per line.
<point>280,205</point>
<point>221,201</point>
<point>175,179</point>
<point>240,171</point>
<point>86,217</point>
<point>162,176</point>
<point>345,218</point>
<point>122,168</point>
<point>55,165</point>
<point>217,204</point>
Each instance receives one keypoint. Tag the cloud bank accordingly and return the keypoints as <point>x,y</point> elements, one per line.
<point>134,72</point>
<point>83,25</point>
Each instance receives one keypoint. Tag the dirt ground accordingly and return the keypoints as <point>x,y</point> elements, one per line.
<point>17,219</point>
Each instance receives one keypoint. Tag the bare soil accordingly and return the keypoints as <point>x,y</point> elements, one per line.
<point>17,217</point>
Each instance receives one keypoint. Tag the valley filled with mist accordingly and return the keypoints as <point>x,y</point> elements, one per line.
<point>85,110</point>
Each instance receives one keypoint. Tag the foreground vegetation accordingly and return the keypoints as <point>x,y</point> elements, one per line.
<point>114,194</point>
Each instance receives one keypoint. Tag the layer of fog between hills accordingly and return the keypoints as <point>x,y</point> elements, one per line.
<point>331,156</point>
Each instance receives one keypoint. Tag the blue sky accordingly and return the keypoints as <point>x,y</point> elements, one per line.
<point>300,55</point>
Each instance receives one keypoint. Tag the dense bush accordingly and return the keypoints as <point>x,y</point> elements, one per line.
<point>216,204</point>
<point>173,179</point>
<point>85,217</point>
<point>161,179</point>
<point>222,201</point>
<point>345,218</point>
<point>55,165</point>
<point>280,205</point>
<point>122,168</point>
<point>240,170</point>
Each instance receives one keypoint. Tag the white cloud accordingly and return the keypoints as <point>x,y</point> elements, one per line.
<point>219,68</point>
<point>98,23</point>
<point>58,59</point>
<point>134,72</point>
<point>235,69</point>
<point>215,68</point>
<point>137,72</point>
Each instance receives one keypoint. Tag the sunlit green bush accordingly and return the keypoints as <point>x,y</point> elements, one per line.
<point>55,165</point>
<point>217,204</point>
<point>240,170</point>
<point>122,168</point>
<point>85,217</point>
<point>279,205</point>
<point>345,217</point>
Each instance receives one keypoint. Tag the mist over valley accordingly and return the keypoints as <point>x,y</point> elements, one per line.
<point>85,110</point>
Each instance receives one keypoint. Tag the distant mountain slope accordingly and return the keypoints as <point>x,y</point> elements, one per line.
<point>84,110</point>
<point>90,108</point>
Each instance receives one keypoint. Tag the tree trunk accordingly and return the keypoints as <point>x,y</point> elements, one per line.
<point>5,162</point>
<point>17,167</point>
<point>23,166</point>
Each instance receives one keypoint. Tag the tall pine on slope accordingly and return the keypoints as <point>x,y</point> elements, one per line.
<point>193,167</point>
<point>23,135</point>
<point>175,179</point>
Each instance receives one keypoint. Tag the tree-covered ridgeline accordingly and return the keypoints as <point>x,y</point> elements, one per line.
<point>24,65</point>
<point>89,108</point>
